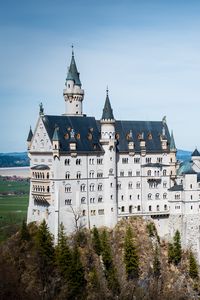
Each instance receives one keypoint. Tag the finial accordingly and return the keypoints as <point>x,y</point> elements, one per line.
<point>72,50</point>
<point>107,91</point>
<point>41,109</point>
<point>164,120</point>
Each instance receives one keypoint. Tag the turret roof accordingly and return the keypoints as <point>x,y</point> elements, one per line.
<point>30,135</point>
<point>73,73</point>
<point>55,135</point>
<point>172,142</point>
<point>195,153</point>
<point>107,111</point>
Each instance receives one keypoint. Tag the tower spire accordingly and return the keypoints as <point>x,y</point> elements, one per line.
<point>172,142</point>
<point>107,110</point>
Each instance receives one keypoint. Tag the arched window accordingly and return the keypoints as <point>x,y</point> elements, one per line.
<point>100,199</point>
<point>130,209</point>
<point>78,161</point>
<point>67,162</point>
<point>100,187</point>
<point>138,197</point>
<point>150,208</point>
<point>83,200</point>
<point>48,175</point>
<point>138,185</point>
<point>130,185</point>
<point>138,208</point>
<point>67,188</point>
<point>149,196</point>
<point>78,175</point>
<point>67,175</point>
<point>157,196</point>
<point>165,196</point>
<point>165,207</point>
<point>158,208</point>
<point>83,187</point>
<point>92,187</point>
<point>149,173</point>
<point>122,209</point>
<point>164,172</point>
<point>48,189</point>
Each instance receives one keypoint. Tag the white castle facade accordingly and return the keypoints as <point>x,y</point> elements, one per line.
<point>88,172</point>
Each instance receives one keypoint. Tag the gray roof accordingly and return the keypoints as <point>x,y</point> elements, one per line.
<point>87,133</point>
<point>107,110</point>
<point>195,153</point>
<point>186,167</point>
<point>172,142</point>
<point>155,165</point>
<point>73,73</point>
<point>176,188</point>
<point>30,135</point>
<point>40,167</point>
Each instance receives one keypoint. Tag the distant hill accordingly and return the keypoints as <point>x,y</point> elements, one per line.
<point>14,159</point>
<point>183,155</point>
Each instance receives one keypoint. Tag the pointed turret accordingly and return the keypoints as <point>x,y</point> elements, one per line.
<point>73,94</point>
<point>30,135</point>
<point>56,142</point>
<point>195,153</point>
<point>29,139</point>
<point>172,143</point>
<point>107,110</point>
<point>55,135</point>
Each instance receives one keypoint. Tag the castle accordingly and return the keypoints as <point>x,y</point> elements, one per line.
<point>87,172</point>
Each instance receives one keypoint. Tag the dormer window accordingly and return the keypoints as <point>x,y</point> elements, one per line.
<point>149,136</point>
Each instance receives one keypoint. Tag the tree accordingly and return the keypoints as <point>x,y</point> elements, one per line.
<point>193,268</point>
<point>44,242</point>
<point>24,232</point>
<point>130,256</point>
<point>63,255</point>
<point>78,282</point>
<point>110,270</point>
<point>156,263</point>
<point>96,241</point>
<point>177,248</point>
<point>77,217</point>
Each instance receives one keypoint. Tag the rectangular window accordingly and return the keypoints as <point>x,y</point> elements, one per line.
<point>101,211</point>
<point>136,160</point>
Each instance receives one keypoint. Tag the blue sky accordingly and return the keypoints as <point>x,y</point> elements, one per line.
<point>147,52</point>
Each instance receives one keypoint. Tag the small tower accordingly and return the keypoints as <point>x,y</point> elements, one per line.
<point>172,156</point>
<point>29,139</point>
<point>196,158</point>
<point>108,143</point>
<point>73,94</point>
<point>56,142</point>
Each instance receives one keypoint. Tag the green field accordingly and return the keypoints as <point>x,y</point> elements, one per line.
<point>13,208</point>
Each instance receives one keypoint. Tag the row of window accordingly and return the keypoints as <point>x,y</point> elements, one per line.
<point>122,208</point>
<point>40,175</point>
<point>91,175</point>
<point>78,161</point>
<point>39,188</point>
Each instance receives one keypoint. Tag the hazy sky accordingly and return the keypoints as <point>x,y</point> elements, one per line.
<point>147,52</point>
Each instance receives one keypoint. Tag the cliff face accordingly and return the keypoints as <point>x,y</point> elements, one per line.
<point>29,273</point>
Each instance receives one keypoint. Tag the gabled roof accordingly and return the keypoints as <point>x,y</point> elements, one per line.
<point>73,73</point>
<point>195,153</point>
<point>107,110</point>
<point>30,135</point>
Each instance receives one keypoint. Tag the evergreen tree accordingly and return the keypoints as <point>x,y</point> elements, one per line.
<point>77,284</point>
<point>110,270</point>
<point>44,242</point>
<point>96,241</point>
<point>156,263</point>
<point>193,268</point>
<point>130,256</point>
<point>170,253</point>
<point>177,248</point>
<point>24,232</point>
<point>63,255</point>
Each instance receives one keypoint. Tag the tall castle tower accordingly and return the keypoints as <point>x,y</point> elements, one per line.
<point>73,94</point>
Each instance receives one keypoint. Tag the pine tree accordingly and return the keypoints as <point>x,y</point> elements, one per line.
<point>24,232</point>
<point>177,248</point>
<point>156,263</point>
<point>78,282</point>
<point>96,241</point>
<point>63,255</point>
<point>110,270</point>
<point>193,268</point>
<point>44,242</point>
<point>130,256</point>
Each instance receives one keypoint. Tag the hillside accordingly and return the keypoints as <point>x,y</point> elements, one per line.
<point>14,159</point>
<point>91,265</point>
